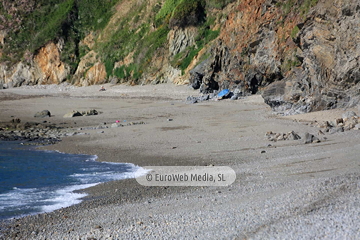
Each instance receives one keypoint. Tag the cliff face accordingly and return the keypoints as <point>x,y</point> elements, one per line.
<point>300,62</point>
<point>43,68</point>
<point>301,55</point>
<point>328,47</point>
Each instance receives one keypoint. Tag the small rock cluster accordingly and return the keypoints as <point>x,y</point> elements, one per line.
<point>348,122</point>
<point>271,136</point>
<point>117,124</point>
<point>309,138</point>
<point>36,133</point>
<point>114,125</point>
<point>75,113</point>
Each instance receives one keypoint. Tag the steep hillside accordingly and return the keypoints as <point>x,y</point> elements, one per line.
<point>302,55</point>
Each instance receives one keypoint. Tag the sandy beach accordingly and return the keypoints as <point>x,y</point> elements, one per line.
<point>283,189</point>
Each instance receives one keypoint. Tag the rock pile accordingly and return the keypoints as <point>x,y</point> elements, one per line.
<point>117,124</point>
<point>36,133</point>
<point>348,121</point>
<point>114,125</point>
<point>75,113</point>
<point>271,136</point>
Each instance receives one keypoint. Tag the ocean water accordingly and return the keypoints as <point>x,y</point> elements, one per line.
<point>33,181</point>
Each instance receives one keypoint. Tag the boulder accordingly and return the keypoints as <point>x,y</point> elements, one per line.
<point>310,138</point>
<point>42,114</point>
<point>114,80</point>
<point>336,130</point>
<point>339,120</point>
<point>195,80</point>
<point>89,112</point>
<point>235,97</point>
<point>293,136</point>
<point>115,125</point>
<point>72,114</point>
<point>191,100</point>
<point>205,97</point>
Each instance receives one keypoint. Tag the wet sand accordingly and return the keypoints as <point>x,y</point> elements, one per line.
<point>283,190</point>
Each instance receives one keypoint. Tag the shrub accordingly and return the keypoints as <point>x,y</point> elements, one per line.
<point>52,19</point>
<point>188,13</point>
<point>166,10</point>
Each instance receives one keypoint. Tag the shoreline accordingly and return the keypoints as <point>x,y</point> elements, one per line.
<point>228,133</point>
<point>67,188</point>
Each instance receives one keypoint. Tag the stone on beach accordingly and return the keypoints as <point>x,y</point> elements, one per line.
<point>336,130</point>
<point>310,138</point>
<point>117,124</point>
<point>73,113</point>
<point>89,112</point>
<point>282,136</point>
<point>42,114</point>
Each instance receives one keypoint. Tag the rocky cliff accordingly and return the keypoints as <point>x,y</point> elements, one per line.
<point>327,45</point>
<point>301,55</point>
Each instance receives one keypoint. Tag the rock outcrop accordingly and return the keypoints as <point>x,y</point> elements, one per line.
<point>181,38</point>
<point>51,69</point>
<point>45,67</point>
<point>328,48</point>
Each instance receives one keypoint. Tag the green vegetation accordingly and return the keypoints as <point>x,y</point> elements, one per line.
<point>303,7</point>
<point>183,59</point>
<point>39,27</point>
<point>294,32</point>
<point>54,19</point>
<point>145,44</point>
<point>290,62</point>
<point>94,14</point>
<point>166,10</point>
<point>126,72</point>
<point>188,13</point>
<point>286,6</point>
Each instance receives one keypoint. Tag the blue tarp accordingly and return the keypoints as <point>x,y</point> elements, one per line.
<point>223,93</point>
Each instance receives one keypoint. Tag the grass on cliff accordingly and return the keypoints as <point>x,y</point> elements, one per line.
<point>54,19</point>
<point>145,43</point>
<point>297,6</point>
<point>183,59</point>
<point>134,36</point>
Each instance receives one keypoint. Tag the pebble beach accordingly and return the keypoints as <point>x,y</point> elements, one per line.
<point>283,189</point>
